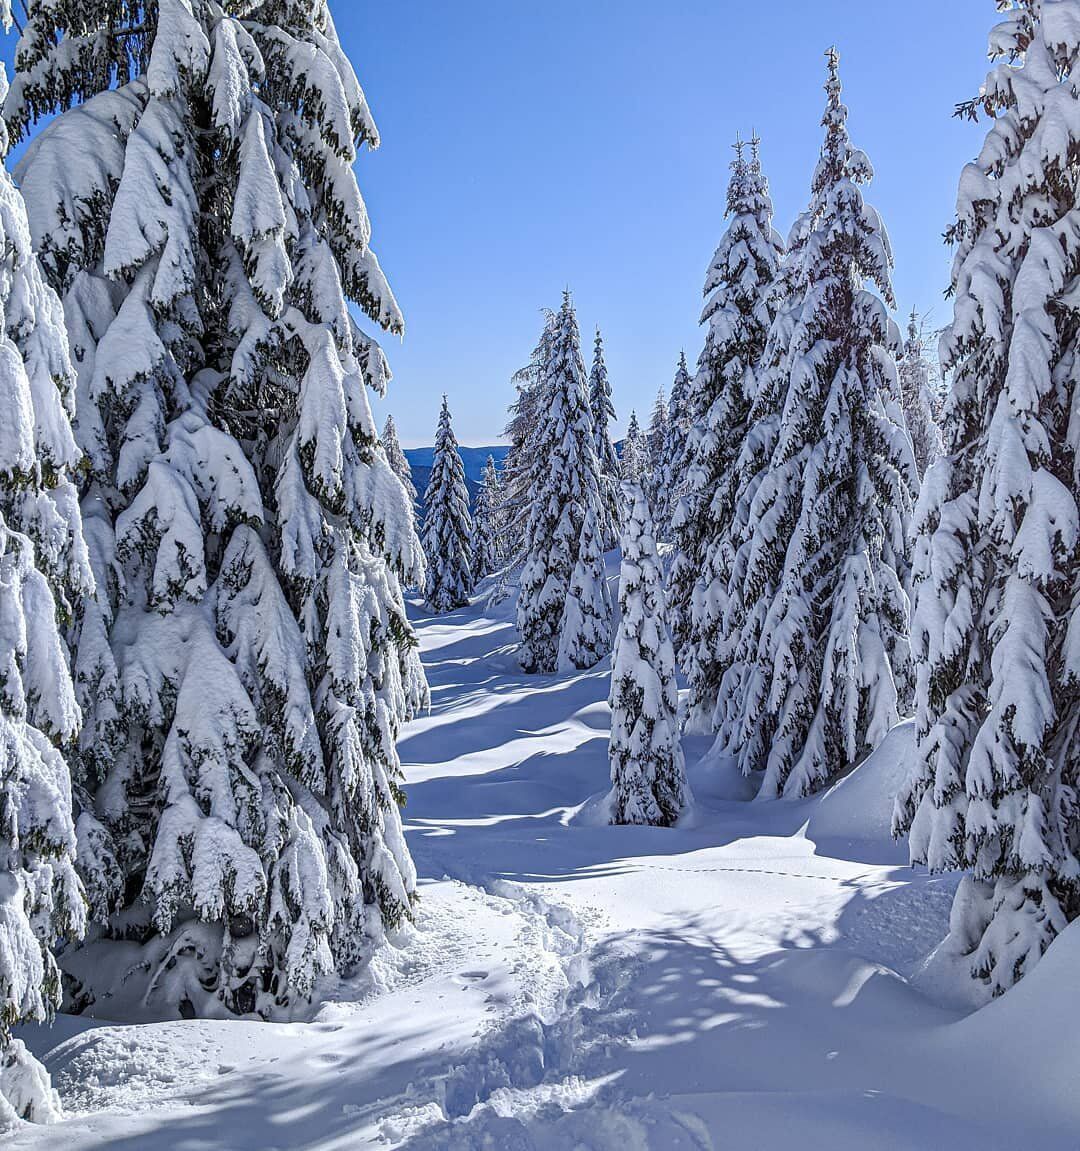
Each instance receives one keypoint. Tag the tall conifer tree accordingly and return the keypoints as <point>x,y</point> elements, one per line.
<point>399,465</point>
<point>830,517</point>
<point>585,636</point>
<point>246,662</point>
<point>524,430</point>
<point>489,538</point>
<point>648,776</point>
<point>558,585</point>
<point>667,464</point>
<point>44,573</point>
<point>996,630</point>
<point>656,439</point>
<point>712,517</point>
<point>678,433</point>
<point>603,412</point>
<point>918,399</point>
<point>448,526</point>
<point>634,462</point>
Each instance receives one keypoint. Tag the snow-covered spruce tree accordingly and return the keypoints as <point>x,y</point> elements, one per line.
<point>603,412</point>
<point>246,662</point>
<point>565,509</point>
<point>634,461</point>
<point>448,527</point>
<point>488,537</point>
<point>519,466</point>
<point>678,430</point>
<point>712,517</point>
<point>656,442</point>
<point>746,600</point>
<point>399,465</point>
<point>918,399</point>
<point>996,632</point>
<point>669,468</point>
<point>647,773</point>
<point>656,435</point>
<point>831,514</point>
<point>585,637</point>
<point>44,572</point>
<point>523,431</point>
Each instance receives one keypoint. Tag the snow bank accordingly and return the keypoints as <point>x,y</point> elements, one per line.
<point>1033,1036</point>
<point>856,812</point>
<point>741,979</point>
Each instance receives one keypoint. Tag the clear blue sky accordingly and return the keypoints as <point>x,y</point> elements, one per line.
<point>586,143</point>
<point>530,146</point>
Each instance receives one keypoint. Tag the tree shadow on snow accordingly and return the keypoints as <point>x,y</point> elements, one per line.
<point>545,709</point>
<point>807,1046</point>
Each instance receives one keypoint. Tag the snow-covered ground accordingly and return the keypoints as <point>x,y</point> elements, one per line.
<point>753,979</point>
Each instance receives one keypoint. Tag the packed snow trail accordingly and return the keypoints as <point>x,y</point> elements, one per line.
<point>741,980</point>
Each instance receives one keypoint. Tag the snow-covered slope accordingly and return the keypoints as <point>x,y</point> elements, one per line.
<point>740,981</point>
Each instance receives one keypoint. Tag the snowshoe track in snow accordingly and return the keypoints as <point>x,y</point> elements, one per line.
<point>537,1068</point>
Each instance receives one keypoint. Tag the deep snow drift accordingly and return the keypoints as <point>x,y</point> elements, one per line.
<point>754,978</point>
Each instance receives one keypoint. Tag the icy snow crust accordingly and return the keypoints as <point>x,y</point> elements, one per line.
<point>754,978</point>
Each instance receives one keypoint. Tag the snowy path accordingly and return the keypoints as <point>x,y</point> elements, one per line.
<point>738,982</point>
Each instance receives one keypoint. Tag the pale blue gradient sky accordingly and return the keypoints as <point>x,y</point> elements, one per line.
<point>529,146</point>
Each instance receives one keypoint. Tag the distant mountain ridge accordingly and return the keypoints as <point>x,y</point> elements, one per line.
<point>420,460</point>
<point>473,458</point>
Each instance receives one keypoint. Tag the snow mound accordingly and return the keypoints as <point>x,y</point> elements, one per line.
<point>753,977</point>
<point>1037,1063</point>
<point>856,812</point>
<point>130,1068</point>
<point>715,775</point>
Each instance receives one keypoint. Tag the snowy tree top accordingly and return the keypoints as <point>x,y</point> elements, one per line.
<point>835,195</point>
<point>599,384</point>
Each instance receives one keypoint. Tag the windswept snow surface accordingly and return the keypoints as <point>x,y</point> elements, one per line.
<point>754,978</point>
